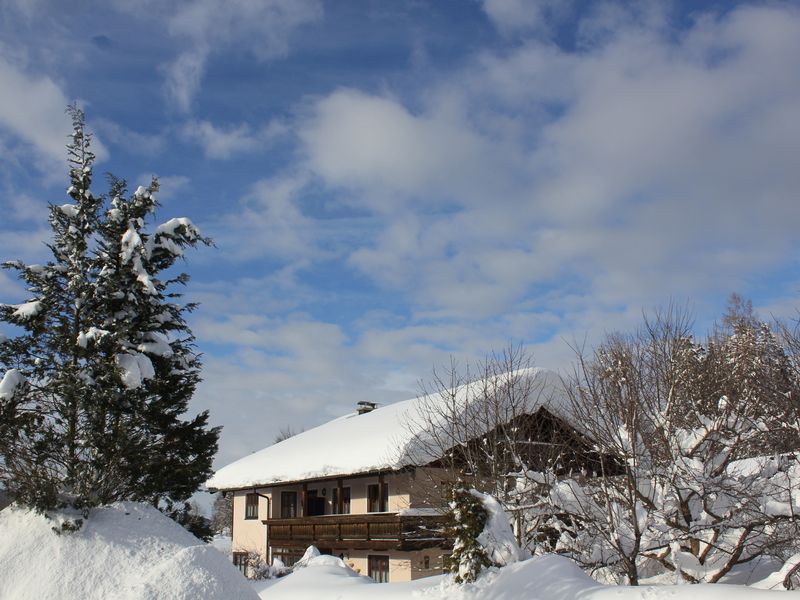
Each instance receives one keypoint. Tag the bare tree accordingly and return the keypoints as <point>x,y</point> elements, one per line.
<point>704,435</point>
<point>222,514</point>
<point>285,433</point>
<point>496,426</point>
<point>617,394</point>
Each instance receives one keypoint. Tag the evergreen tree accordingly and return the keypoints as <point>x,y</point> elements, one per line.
<point>465,522</point>
<point>95,387</point>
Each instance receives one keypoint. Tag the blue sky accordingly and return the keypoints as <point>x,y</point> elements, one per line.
<point>391,183</point>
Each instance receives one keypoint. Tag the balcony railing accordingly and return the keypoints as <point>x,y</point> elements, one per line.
<point>372,530</point>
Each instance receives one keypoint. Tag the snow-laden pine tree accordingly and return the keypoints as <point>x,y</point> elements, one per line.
<point>466,520</point>
<point>96,385</point>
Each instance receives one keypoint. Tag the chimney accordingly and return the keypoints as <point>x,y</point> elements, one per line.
<point>365,407</point>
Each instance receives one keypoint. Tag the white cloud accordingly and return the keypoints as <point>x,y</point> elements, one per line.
<point>169,186</point>
<point>183,76</point>
<point>262,27</point>
<point>269,222</point>
<point>32,110</point>
<point>642,167</point>
<point>517,16</point>
<point>33,122</point>
<point>226,142</point>
<point>377,146</point>
<point>22,208</point>
<point>361,140</point>
<point>26,245</point>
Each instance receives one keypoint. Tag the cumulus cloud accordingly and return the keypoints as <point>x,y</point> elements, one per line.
<point>393,156</point>
<point>646,165</point>
<point>540,194</point>
<point>362,140</point>
<point>262,28</point>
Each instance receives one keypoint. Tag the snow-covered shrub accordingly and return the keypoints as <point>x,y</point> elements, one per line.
<point>257,567</point>
<point>467,519</point>
<point>497,539</point>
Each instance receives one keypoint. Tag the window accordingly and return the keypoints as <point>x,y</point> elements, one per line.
<point>288,505</point>
<point>377,497</point>
<point>378,568</point>
<point>240,562</point>
<point>288,556</point>
<point>315,505</point>
<point>372,498</point>
<point>345,501</point>
<point>426,562</point>
<point>251,506</point>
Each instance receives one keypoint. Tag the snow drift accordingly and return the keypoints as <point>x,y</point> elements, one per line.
<point>126,551</point>
<point>542,578</point>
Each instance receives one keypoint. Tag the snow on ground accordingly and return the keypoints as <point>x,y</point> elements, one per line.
<point>327,577</point>
<point>126,551</point>
<point>222,543</point>
<point>540,578</point>
<point>130,551</point>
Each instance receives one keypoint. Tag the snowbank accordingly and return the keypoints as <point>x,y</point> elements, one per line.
<point>127,551</point>
<point>541,578</point>
<point>328,577</point>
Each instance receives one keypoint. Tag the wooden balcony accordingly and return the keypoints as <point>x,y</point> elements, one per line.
<point>372,531</point>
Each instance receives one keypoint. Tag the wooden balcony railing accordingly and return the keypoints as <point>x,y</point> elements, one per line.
<point>370,531</point>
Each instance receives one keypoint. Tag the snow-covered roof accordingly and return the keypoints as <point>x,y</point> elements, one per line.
<point>387,438</point>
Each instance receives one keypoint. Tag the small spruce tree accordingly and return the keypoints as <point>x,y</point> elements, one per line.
<point>465,522</point>
<point>96,385</point>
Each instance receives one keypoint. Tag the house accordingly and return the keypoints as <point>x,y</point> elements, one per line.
<point>366,487</point>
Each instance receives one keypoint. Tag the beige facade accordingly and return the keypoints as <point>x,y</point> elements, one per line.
<point>250,535</point>
<point>403,566</point>
<point>310,510</point>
